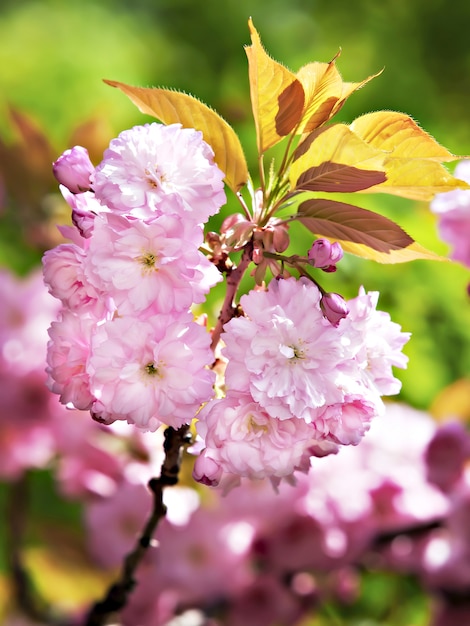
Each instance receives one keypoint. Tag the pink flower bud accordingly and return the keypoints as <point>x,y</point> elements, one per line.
<point>325,255</point>
<point>207,471</point>
<point>73,169</point>
<point>281,238</point>
<point>334,307</point>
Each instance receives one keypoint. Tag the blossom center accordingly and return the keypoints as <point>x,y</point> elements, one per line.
<point>154,177</point>
<point>148,260</point>
<point>293,352</point>
<point>151,369</point>
<point>254,427</point>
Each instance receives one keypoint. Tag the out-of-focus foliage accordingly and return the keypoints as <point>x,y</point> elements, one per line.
<point>54,55</point>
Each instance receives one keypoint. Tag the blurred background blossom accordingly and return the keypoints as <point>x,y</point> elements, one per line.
<point>377,533</point>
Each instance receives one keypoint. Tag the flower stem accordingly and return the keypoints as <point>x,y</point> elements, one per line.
<point>228,309</point>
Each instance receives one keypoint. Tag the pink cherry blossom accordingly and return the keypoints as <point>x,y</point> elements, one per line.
<point>150,371</point>
<point>142,265</point>
<point>376,340</point>
<point>453,210</point>
<point>64,274</point>
<point>67,356</point>
<point>284,352</point>
<point>242,439</point>
<point>154,169</point>
<point>346,422</point>
<point>85,207</point>
<point>73,169</point>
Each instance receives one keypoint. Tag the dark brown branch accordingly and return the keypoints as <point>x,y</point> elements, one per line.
<point>117,596</point>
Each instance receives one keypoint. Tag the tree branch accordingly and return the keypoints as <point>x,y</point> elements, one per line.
<point>117,595</point>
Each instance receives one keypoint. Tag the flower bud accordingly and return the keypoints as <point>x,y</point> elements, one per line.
<point>207,471</point>
<point>334,307</point>
<point>73,169</point>
<point>324,254</point>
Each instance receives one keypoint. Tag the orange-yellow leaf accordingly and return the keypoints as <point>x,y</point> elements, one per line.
<point>277,96</point>
<point>417,179</point>
<point>172,106</point>
<point>350,88</point>
<point>361,232</point>
<point>323,87</point>
<point>399,135</point>
<point>325,93</point>
<point>413,252</point>
<point>334,159</point>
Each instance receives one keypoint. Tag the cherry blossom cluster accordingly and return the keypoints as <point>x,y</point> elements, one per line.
<point>297,385</point>
<point>126,345</point>
<point>300,371</point>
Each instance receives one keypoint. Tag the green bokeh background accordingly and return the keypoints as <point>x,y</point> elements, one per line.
<point>54,55</point>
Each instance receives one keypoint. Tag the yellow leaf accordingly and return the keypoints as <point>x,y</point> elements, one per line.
<point>417,179</point>
<point>323,87</point>
<point>399,135</point>
<point>335,159</point>
<point>413,252</point>
<point>172,107</point>
<point>325,93</point>
<point>277,96</point>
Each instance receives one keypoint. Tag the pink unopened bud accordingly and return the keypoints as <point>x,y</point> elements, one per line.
<point>281,238</point>
<point>334,307</point>
<point>73,169</point>
<point>325,255</point>
<point>237,230</point>
<point>207,471</point>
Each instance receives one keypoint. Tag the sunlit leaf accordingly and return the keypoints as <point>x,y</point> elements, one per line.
<point>399,135</point>
<point>323,87</point>
<point>417,179</point>
<point>334,159</point>
<point>325,93</point>
<point>277,96</point>
<point>360,232</point>
<point>173,106</point>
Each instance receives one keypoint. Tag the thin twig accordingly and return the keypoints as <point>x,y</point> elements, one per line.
<point>229,309</point>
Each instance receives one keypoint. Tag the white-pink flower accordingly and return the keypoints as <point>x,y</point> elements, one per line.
<point>63,270</point>
<point>453,210</point>
<point>284,352</point>
<point>85,207</point>
<point>67,355</point>
<point>150,371</point>
<point>153,169</point>
<point>376,341</point>
<point>241,438</point>
<point>153,265</point>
